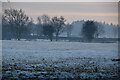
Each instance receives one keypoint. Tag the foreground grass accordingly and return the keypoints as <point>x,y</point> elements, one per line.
<point>73,68</point>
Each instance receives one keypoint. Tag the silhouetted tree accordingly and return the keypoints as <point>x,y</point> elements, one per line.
<point>58,23</point>
<point>48,31</point>
<point>89,29</point>
<point>18,21</point>
<point>40,23</point>
<point>26,34</point>
<point>44,19</point>
<point>46,26</point>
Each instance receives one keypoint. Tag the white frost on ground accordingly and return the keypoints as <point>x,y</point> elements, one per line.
<point>35,50</point>
<point>62,55</point>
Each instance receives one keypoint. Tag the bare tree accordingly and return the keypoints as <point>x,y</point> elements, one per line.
<point>44,19</point>
<point>48,31</point>
<point>18,21</point>
<point>46,26</point>
<point>39,27</point>
<point>58,23</point>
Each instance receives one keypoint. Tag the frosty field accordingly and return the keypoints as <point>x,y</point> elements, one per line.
<point>49,60</point>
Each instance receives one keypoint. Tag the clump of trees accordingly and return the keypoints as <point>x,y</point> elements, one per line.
<point>89,30</point>
<point>16,24</point>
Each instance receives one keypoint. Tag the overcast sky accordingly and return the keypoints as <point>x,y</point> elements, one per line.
<point>99,11</point>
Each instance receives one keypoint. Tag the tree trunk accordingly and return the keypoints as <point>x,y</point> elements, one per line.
<point>51,37</point>
<point>18,36</point>
<point>18,39</point>
<point>56,37</point>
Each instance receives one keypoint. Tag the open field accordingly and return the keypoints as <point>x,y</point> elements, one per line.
<point>64,60</point>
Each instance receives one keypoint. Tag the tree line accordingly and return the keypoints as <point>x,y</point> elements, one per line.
<point>16,25</point>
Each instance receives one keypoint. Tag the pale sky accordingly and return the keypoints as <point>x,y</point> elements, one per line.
<point>72,11</point>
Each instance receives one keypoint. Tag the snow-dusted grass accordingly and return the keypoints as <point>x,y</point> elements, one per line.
<point>71,57</point>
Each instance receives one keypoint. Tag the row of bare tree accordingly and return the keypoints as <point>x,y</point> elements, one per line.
<point>17,24</point>
<point>51,26</point>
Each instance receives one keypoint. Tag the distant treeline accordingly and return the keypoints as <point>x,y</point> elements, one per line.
<point>17,25</point>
